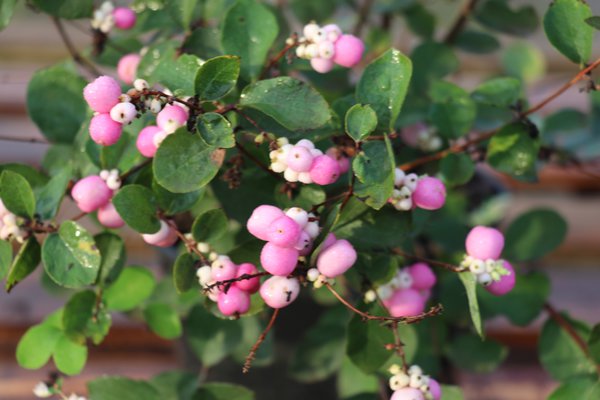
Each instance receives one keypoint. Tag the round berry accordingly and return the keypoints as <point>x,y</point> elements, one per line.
<point>423,277</point>
<point>123,113</point>
<point>506,282</point>
<point>105,131</point>
<point>306,143</point>
<point>324,170</point>
<point>102,94</point>
<point>278,260</point>
<point>330,239</point>
<point>483,243</point>
<point>298,215</point>
<point>91,193</point>
<point>223,269</point>
<point>260,220</point>
<point>235,301</point>
<point>348,51</point>
<point>109,217</point>
<point>322,65</point>
<point>429,194</point>
<point>311,31</point>
<point>407,393</point>
<point>279,291</point>
<point>299,159</point>
<point>124,17</point>
<point>326,49</point>
<point>145,140</point>
<point>304,244</point>
<point>284,232</point>
<point>164,237</point>
<point>127,67</point>
<point>170,118</point>
<point>342,160</point>
<point>336,259</point>
<point>435,389</point>
<point>405,303</point>
<point>249,285</point>
<point>332,32</point>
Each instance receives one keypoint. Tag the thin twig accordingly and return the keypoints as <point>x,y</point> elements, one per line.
<point>363,16</point>
<point>399,346</point>
<point>257,161</point>
<point>460,23</point>
<point>135,169</point>
<point>77,57</point>
<point>271,63</point>
<point>228,282</point>
<point>24,140</point>
<point>450,267</point>
<point>190,244</point>
<point>252,354</point>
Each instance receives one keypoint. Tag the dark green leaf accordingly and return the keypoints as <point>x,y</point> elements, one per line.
<point>579,388</point>
<point>77,314</point>
<point>360,121</point>
<point>499,92</point>
<point>163,320</point>
<point>37,345</point>
<point>5,258</point>
<point>374,168</point>
<point>594,22</point>
<point>431,61</point>
<point>594,344</point>
<point>25,262</point>
<point>112,388</point>
<point>175,385</point>
<point>112,252</point>
<point>524,61</point>
<point>352,381</point>
<point>69,356</point>
<point>565,27</point>
<point>6,11</point>
<point>497,15</point>
<point>210,226</point>
<point>136,204</point>
<point>132,287</point>
<point>471,353</point>
<point>453,111</point>
<point>222,391</point>
<point>16,194</point>
<point>468,280</point>
<point>184,272</point>
<point>420,21</point>
<point>514,150</point>
<point>216,130</point>
<point>68,9</point>
<point>477,42</point>
<point>175,203</point>
<point>51,195</point>
<point>217,77</point>
<point>457,169</point>
<point>313,10</point>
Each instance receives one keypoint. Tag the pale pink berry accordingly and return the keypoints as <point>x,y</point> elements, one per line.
<point>324,170</point>
<point>91,193</point>
<point>331,32</point>
<point>430,193</point>
<point>506,282</point>
<point>330,239</point>
<point>484,243</point>
<point>249,285</point>
<point>145,141</point>
<point>336,259</point>
<point>102,94</point>
<point>223,269</point>
<point>342,160</point>
<point>306,143</point>
<point>284,232</point>
<point>165,237</point>
<point>435,389</point>
<point>348,51</point>
<point>260,220</point>
<point>170,118</point>
<point>105,131</point>
<point>123,113</point>
<point>109,217</point>
<point>127,67</point>
<point>278,260</point>
<point>235,301</point>
<point>405,303</point>
<point>407,393</point>
<point>299,159</point>
<point>3,209</point>
<point>422,276</point>
<point>124,17</point>
<point>304,244</point>
<point>279,291</point>
<point>322,65</point>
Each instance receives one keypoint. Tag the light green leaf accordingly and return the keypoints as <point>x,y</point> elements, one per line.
<point>524,61</point>
<point>534,234</point>
<point>69,357</point>
<point>468,280</point>
<point>6,255</point>
<point>62,263</point>
<point>7,8</point>
<point>133,286</point>
<point>112,388</point>
<point>514,150</point>
<point>81,244</point>
<point>37,345</point>
<point>565,27</point>
<point>16,194</point>
<point>163,320</point>
<point>217,77</point>
<point>360,121</point>
<point>77,314</point>
<point>499,92</point>
<point>113,256</point>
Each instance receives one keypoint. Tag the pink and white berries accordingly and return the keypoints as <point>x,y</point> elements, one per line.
<point>104,130</point>
<point>411,191</point>
<point>260,220</point>
<point>164,237</point>
<point>9,228</point>
<point>127,68</point>
<point>146,140</point>
<point>91,193</point>
<point>102,94</point>
<point>233,301</point>
<point>405,303</point>
<point>279,291</point>
<point>278,260</point>
<point>324,170</point>
<point>170,118</point>
<point>412,384</point>
<point>124,18</point>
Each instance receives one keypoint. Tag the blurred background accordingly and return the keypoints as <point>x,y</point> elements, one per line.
<point>31,42</point>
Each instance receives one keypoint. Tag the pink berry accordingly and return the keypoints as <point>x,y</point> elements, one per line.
<point>484,243</point>
<point>336,259</point>
<point>279,291</point>
<point>330,239</point>
<point>299,159</point>
<point>304,244</point>
<point>170,118</point>
<point>278,260</point>
<point>249,285</point>
<point>435,389</point>
<point>223,269</point>
<point>405,303</point>
<point>105,131</point>
<point>331,32</point>
<point>284,232</point>
<point>109,217</point>
<point>324,170</point>
<point>321,65</point>
<point>342,160</point>
<point>145,141</point>
<point>430,193</point>
<point>407,393</point>
<point>91,193</point>
<point>506,282</point>
<point>102,94</point>
<point>422,276</point>
<point>165,237</point>
<point>348,51</point>
<point>235,301</point>
<point>127,67</point>
<point>124,17</point>
<point>260,220</point>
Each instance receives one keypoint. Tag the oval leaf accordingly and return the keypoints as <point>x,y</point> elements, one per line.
<point>136,204</point>
<point>217,77</point>
<point>565,27</point>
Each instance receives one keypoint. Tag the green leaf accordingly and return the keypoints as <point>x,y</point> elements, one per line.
<point>352,381</point>
<point>565,28</point>
<point>16,194</point>
<point>292,103</point>
<point>514,150</point>
<point>112,253</point>
<point>594,344</point>
<point>5,258</point>
<point>55,102</point>
<point>420,21</point>
<point>457,169</point>
<point>477,42</point>
<point>470,284</point>
<point>163,320</point>
<point>175,203</point>
<point>25,262</point>
<point>217,77</point>
<point>112,388</point>
<point>69,357</point>
<point>7,8</point>
<point>534,234</point>
<point>133,286</point>
<point>374,168</point>
<point>383,86</point>
<point>431,62</point>
<point>524,61</point>
<point>216,130</point>
<point>184,272</point>
<point>222,391</point>
<point>594,22</point>
<point>249,30</point>
<point>186,11</point>
<point>313,10</point>
<point>579,388</point>
<point>175,385</point>
<point>560,355</point>
<point>51,195</point>
<point>81,244</point>
<point>360,121</point>
<point>184,163</point>
<point>499,92</point>
<point>497,15</point>
<point>65,267</point>
<point>37,345</point>
<point>68,9</point>
<point>136,204</point>
<point>210,226</point>
<point>367,340</point>
<point>321,351</point>
<point>471,353</point>
<point>452,393</point>
<point>452,111</point>
<point>77,314</point>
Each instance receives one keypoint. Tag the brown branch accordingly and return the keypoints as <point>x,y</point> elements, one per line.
<point>169,98</point>
<point>461,21</point>
<point>135,169</point>
<point>252,354</point>
<point>349,192</point>
<point>75,55</point>
<point>190,244</point>
<point>450,267</point>
<point>363,16</point>
<point>24,140</point>
<point>257,161</point>
<point>275,59</point>
<point>399,346</point>
<point>228,282</point>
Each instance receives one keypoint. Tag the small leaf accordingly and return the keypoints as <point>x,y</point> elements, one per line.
<point>16,194</point>
<point>37,345</point>
<point>352,381</point>
<point>6,255</point>
<point>499,92</point>
<point>64,267</point>
<point>68,9</point>
<point>77,314</point>
<point>175,203</point>
<point>374,169</point>
<point>163,320</point>
<point>360,122</point>
<point>210,226</point>
<point>565,28</point>
<point>175,385</point>
<point>477,42</point>
<point>132,287</point>
<point>431,62</point>
<point>217,77</point>
<point>112,253</point>
<point>69,357</point>
<point>184,272</point>
<point>497,15</point>
<point>514,150</point>
<point>7,8</point>
<point>468,280</point>
<point>524,61</point>
<point>222,391</point>
<point>452,111</point>
<point>216,130</point>
<point>112,388</point>
<point>457,169</point>
<point>594,22</point>
<point>51,195</point>
<point>81,244</point>
<point>136,204</point>
<point>25,262</point>
<point>471,353</point>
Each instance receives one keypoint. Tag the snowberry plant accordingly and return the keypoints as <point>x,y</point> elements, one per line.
<point>294,167</point>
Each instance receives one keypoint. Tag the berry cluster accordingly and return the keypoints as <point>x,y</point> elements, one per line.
<point>304,163</point>
<point>94,192</point>
<point>9,229</point>
<point>412,191</point>
<point>106,16</point>
<point>326,46</point>
<point>422,137</point>
<point>413,384</point>
<point>484,246</point>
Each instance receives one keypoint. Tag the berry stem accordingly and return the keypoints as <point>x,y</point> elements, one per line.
<point>461,21</point>
<point>256,161</point>
<point>190,244</point>
<point>271,63</point>
<point>450,267</point>
<point>363,16</point>
<point>228,282</point>
<point>75,55</point>
<point>399,346</point>
<point>252,354</point>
